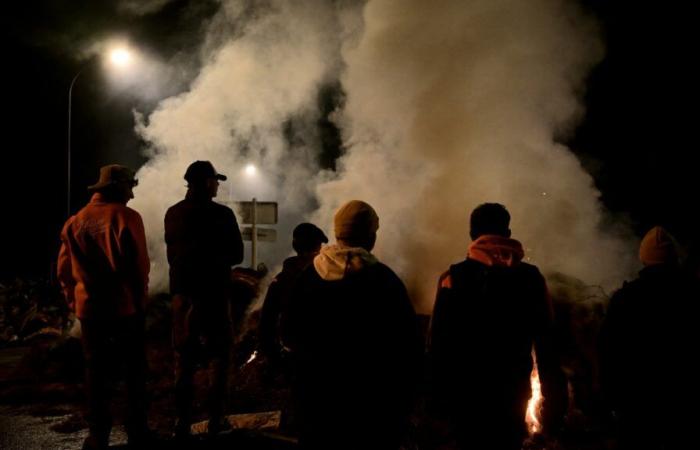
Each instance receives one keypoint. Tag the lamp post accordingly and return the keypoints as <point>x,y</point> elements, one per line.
<point>119,57</point>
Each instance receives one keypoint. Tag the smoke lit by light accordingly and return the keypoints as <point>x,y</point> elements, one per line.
<point>428,131</point>
<point>120,57</point>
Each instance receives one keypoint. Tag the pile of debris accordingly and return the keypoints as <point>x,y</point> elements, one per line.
<point>30,308</point>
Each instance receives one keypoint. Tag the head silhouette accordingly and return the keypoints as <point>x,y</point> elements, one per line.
<point>489,218</point>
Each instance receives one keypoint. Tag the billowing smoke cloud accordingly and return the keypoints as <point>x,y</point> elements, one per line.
<point>254,101</point>
<point>456,103</point>
<point>449,105</point>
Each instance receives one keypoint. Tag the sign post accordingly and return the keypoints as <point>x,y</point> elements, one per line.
<point>257,213</point>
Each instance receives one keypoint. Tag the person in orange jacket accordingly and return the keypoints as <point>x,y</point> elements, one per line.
<point>103,268</point>
<point>491,310</point>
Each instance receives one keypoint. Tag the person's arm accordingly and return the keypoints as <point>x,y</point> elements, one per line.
<point>552,378</point>
<point>64,270</point>
<point>440,343</point>
<point>410,347</point>
<point>269,320</point>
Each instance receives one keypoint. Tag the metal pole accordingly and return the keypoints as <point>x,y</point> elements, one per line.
<point>254,237</point>
<point>68,152</point>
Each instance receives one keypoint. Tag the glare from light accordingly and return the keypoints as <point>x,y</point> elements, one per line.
<point>120,57</point>
<point>251,170</point>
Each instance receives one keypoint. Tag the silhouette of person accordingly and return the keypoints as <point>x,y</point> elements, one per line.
<point>307,239</point>
<point>103,269</point>
<point>203,243</point>
<point>646,343</point>
<point>490,311</point>
<point>353,335</point>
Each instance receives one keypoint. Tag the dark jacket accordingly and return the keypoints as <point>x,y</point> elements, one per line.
<point>277,302</point>
<point>649,343</point>
<point>353,334</point>
<point>203,242</point>
<point>490,310</point>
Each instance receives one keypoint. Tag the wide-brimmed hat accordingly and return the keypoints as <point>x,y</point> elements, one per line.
<point>355,220</point>
<point>201,171</point>
<point>113,174</point>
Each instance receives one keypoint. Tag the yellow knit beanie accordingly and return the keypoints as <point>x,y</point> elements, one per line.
<point>355,220</point>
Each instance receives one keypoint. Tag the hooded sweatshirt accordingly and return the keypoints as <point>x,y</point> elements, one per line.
<point>352,330</point>
<point>334,262</point>
<point>490,310</point>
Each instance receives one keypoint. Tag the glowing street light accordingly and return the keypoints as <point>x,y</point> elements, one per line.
<point>120,57</point>
<point>251,170</point>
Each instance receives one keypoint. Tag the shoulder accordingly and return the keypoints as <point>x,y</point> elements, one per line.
<point>627,290</point>
<point>222,209</point>
<point>385,276</point>
<point>131,215</point>
<point>176,208</point>
<point>385,271</point>
<point>530,270</point>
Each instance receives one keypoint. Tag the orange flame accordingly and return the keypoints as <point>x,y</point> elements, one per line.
<point>535,403</point>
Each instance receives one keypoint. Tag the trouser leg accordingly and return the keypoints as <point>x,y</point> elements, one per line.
<point>96,349</point>
<point>217,387</point>
<point>218,341</point>
<point>184,345</point>
<point>134,349</point>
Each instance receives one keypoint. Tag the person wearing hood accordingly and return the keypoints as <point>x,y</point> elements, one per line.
<point>103,268</point>
<point>353,335</point>
<point>647,344</point>
<point>203,244</point>
<point>491,311</point>
<point>307,239</point>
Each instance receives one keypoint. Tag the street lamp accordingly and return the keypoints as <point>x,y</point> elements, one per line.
<point>119,57</point>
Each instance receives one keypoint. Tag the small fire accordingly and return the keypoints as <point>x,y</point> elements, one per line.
<point>535,403</point>
<point>252,357</point>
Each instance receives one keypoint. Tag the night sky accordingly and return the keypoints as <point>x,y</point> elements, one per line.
<point>636,138</point>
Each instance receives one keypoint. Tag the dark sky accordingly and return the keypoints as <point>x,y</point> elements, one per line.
<point>636,138</point>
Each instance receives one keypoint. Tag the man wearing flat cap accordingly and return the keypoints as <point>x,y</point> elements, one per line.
<point>353,334</point>
<point>203,243</point>
<point>103,269</point>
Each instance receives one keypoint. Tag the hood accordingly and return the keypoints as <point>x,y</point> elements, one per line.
<point>495,250</point>
<point>335,261</point>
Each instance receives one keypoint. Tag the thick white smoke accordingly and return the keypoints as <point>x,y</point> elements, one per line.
<point>257,89</point>
<point>454,103</point>
<point>449,104</point>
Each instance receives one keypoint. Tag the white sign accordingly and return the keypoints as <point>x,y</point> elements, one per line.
<point>264,234</point>
<point>265,212</point>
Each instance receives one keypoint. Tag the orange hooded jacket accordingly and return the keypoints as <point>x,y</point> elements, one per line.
<point>103,263</point>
